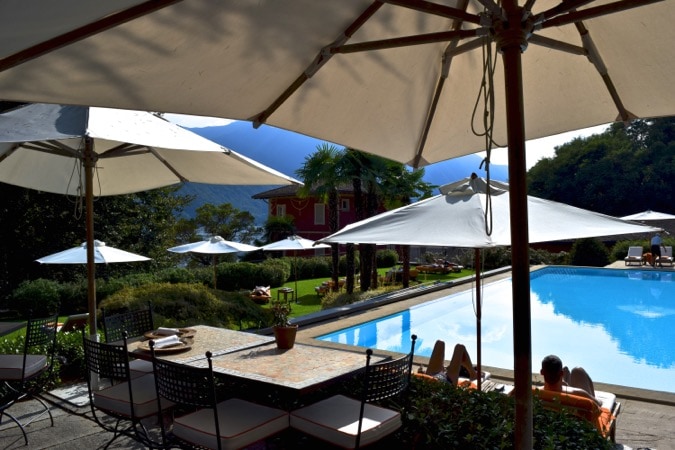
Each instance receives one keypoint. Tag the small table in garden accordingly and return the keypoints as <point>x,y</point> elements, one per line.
<point>286,291</point>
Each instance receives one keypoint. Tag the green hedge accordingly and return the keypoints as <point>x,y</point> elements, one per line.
<point>180,305</point>
<point>441,416</point>
<point>589,252</point>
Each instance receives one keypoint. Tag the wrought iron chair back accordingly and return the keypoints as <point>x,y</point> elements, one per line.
<point>135,323</point>
<point>37,360</point>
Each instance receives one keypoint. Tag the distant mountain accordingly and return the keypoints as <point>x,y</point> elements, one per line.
<point>286,151</point>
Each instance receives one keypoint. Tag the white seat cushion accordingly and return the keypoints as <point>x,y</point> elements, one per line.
<point>12,365</point>
<point>116,397</point>
<point>336,420</point>
<point>606,398</point>
<point>241,423</point>
<point>140,367</point>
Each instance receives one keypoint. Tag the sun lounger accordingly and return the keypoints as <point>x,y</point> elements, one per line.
<point>603,417</point>
<point>666,257</point>
<point>634,256</point>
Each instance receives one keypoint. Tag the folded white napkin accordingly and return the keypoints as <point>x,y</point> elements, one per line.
<point>167,331</point>
<point>167,341</point>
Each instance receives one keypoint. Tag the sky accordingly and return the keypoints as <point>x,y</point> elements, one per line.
<point>536,148</point>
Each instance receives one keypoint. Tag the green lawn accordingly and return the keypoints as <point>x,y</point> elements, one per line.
<point>309,302</point>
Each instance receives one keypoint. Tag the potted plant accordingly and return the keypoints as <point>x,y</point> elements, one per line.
<point>284,331</point>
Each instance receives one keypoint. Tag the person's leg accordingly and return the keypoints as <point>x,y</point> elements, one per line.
<point>656,253</point>
<point>579,378</point>
<point>437,359</point>
<point>460,358</point>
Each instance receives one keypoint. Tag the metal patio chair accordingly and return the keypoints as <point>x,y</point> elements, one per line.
<point>350,423</point>
<point>21,373</point>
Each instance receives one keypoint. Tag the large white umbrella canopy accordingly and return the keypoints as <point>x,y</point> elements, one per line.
<point>291,65</point>
<point>457,218</point>
<point>103,254</point>
<point>43,146</point>
<point>87,152</point>
<point>649,215</point>
<point>396,78</point>
<point>215,245</point>
<point>471,213</point>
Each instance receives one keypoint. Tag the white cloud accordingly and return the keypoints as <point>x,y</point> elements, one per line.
<point>196,121</point>
<point>537,149</point>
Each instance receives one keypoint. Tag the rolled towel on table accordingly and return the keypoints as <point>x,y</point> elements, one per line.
<point>167,341</point>
<point>167,331</point>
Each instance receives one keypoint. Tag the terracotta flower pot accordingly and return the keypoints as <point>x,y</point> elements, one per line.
<point>285,336</point>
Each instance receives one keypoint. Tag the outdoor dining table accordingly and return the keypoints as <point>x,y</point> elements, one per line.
<point>253,360</point>
<point>289,373</point>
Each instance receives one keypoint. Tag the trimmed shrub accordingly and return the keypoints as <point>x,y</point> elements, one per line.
<point>180,305</point>
<point>176,275</point>
<point>386,258</point>
<point>589,252</point>
<point>37,298</point>
<point>441,416</point>
<point>342,265</point>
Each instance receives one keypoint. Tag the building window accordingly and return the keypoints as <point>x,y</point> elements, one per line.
<point>344,204</point>
<point>319,214</point>
<point>281,210</point>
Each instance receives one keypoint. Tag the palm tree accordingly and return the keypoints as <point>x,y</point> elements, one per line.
<point>321,177</point>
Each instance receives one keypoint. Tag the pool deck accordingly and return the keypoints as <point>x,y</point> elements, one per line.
<point>646,419</point>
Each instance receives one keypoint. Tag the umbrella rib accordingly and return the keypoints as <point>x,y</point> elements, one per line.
<point>450,52</point>
<point>555,44</point>
<point>83,32</point>
<point>406,41</point>
<point>596,11</point>
<point>440,10</point>
<point>595,59</point>
<point>322,58</point>
<point>53,147</point>
<point>168,166</point>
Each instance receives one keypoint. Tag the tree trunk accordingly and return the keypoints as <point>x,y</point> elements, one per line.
<point>405,257</point>
<point>349,285</point>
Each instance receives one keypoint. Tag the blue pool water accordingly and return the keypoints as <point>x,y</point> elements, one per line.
<point>618,324</point>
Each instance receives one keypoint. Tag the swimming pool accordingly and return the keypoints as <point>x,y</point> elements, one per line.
<point>618,324</point>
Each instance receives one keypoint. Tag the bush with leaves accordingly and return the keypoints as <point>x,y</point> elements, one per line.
<point>441,416</point>
<point>37,298</point>
<point>180,305</point>
<point>589,252</point>
<point>386,258</point>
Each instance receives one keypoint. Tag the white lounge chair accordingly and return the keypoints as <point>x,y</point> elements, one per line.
<point>634,256</point>
<point>666,257</point>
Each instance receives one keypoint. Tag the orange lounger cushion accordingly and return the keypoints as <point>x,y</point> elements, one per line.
<point>582,407</point>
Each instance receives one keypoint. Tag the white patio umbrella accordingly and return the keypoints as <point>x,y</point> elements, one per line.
<point>87,152</point>
<point>649,215</point>
<point>216,245</point>
<point>464,215</point>
<point>103,254</point>
<point>293,243</point>
<point>395,78</point>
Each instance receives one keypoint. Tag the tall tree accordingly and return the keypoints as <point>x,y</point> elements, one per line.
<point>321,176</point>
<point>621,171</point>
<point>34,224</point>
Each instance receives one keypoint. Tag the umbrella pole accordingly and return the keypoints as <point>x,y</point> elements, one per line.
<point>479,314</point>
<point>89,164</point>
<point>512,41</point>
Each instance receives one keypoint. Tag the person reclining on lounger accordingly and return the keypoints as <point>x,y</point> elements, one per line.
<point>460,364</point>
<point>558,378</point>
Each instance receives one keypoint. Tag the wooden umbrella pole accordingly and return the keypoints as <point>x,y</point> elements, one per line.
<point>479,314</point>
<point>512,42</point>
<point>89,163</point>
